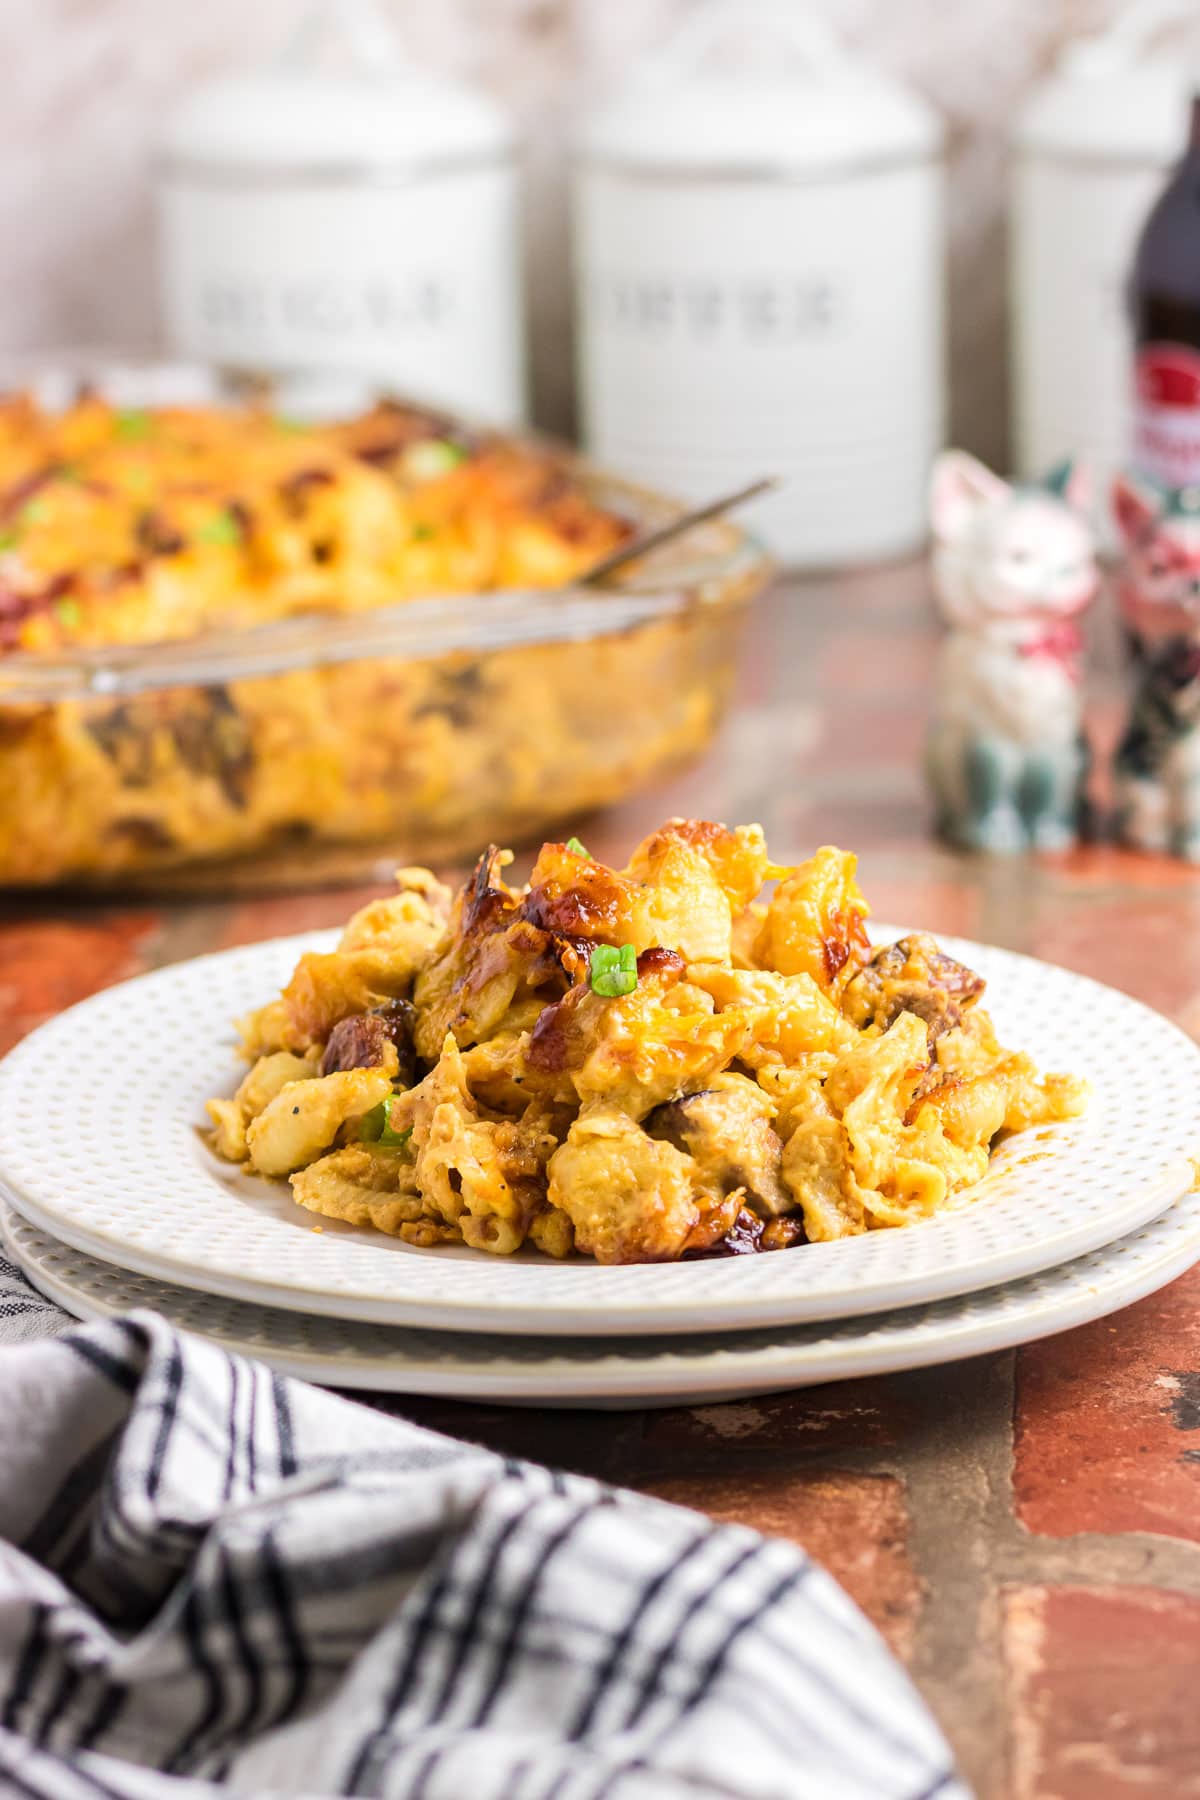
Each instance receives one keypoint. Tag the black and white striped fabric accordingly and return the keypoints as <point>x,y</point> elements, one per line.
<point>213,1579</point>
<point>25,1315</point>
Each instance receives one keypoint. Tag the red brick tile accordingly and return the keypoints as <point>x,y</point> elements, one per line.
<point>882,737</point>
<point>931,904</point>
<point>587,1443</point>
<point>856,1525</point>
<point>877,665</point>
<point>1188,1016</point>
<point>1108,1422</point>
<point>1148,947</point>
<point>888,821</point>
<point>899,594</point>
<point>281,915</point>
<point>1102,1694</point>
<point>850,1416</point>
<point>1091,866</point>
<point>47,964</point>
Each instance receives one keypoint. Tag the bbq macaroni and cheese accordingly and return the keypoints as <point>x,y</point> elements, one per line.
<point>122,528</point>
<point>637,1065</point>
<point>135,527</point>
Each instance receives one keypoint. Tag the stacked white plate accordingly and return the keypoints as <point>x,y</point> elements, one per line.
<point>114,1200</point>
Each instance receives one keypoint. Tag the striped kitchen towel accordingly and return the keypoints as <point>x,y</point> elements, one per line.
<point>215,1579</point>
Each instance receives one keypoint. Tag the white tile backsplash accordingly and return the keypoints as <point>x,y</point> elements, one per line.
<point>86,82</point>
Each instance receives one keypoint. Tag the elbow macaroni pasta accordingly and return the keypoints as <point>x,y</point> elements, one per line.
<point>459,1071</point>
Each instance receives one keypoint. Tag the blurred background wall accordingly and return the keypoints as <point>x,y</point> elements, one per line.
<point>88,82</point>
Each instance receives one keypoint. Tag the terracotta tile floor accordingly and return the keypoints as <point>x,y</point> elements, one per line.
<point>1024,1528</point>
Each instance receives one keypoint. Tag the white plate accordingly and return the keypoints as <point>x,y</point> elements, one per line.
<point>99,1146</point>
<point>637,1372</point>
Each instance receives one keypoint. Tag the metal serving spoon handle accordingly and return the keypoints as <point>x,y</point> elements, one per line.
<point>662,534</point>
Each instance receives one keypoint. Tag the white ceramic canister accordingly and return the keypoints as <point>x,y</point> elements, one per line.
<point>758,239</point>
<point>331,225</point>
<point>1091,151</point>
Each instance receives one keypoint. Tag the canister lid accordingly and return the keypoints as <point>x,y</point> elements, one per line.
<point>1124,95</point>
<point>295,112</point>
<point>757,87</point>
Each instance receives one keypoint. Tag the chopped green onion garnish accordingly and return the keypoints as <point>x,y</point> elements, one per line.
<point>34,513</point>
<point>375,1128</point>
<point>291,424</point>
<point>576,848</point>
<point>222,528</point>
<point>68,612</point>
<point>70,472</point>
<point>613,972</point>
<point>132,425</point>
<point>421,532</point>
<point>7,539</point>
<point>437,456</point>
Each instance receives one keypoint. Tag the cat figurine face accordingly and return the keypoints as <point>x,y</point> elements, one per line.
<point>1159,582</point>
<point>1008,557</point>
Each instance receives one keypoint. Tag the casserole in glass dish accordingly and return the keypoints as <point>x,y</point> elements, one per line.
<point>237,650</point>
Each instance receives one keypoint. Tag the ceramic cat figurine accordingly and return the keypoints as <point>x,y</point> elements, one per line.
<point>1157,773</point>
<point>1014,568</point>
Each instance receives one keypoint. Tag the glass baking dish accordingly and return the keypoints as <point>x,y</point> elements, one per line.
<point>319,748</point>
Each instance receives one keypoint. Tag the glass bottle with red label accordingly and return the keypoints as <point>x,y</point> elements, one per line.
<point>1165,304</point>
<point>1156,776</point>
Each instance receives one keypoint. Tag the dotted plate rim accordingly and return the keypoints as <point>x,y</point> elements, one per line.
<point>94,1178</point>
<point>656,1371</point>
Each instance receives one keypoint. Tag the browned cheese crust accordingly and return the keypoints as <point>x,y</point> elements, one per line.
<point>638,1065</point>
